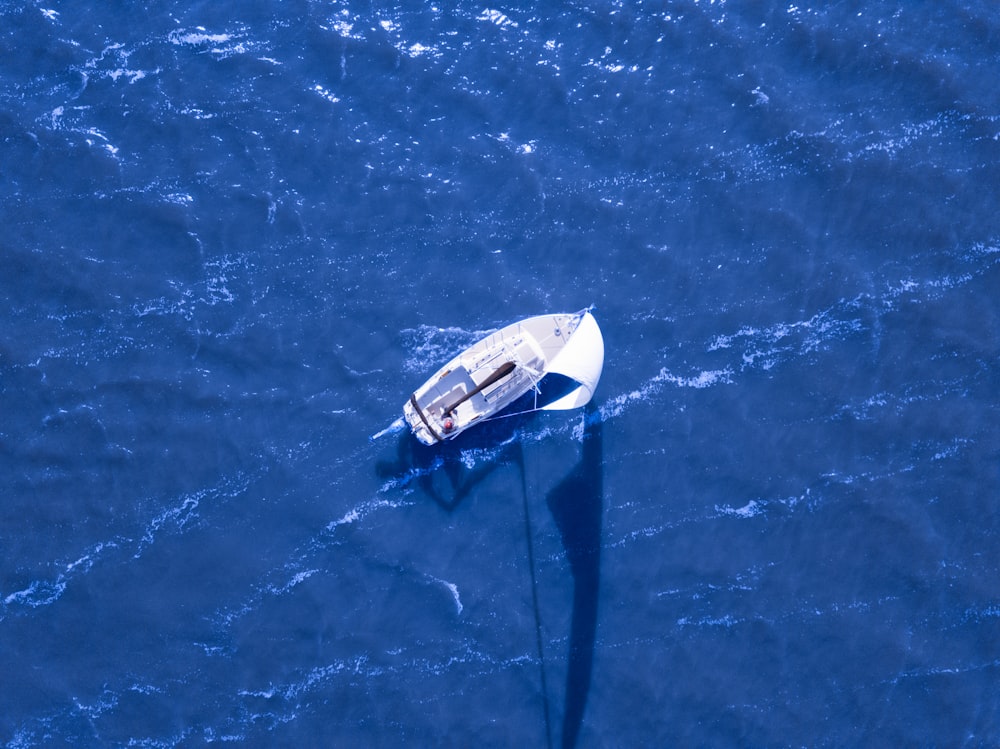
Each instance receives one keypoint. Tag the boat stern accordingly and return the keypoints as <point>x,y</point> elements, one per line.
<point>420,423</point>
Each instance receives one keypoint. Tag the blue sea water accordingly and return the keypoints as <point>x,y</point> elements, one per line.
<point>237,235</point>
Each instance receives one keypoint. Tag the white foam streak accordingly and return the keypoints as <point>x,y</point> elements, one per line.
<point>764,347</point>
<point>363,666</point>
<point>198,38</point>
<point>220,45</point>
<point>750,509</point>
<point>452,588</point>
<point>361,511</point>
<point>722,621</point>
<point>703,379</point>
<point>180,517</point>
<point>296,579</point>
<point>496,17</point>
<point>45,592</point>
<point>298,564</point>
<point>964,668</point>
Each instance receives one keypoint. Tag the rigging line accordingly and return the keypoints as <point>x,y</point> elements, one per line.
<point>516,413</point>
<point>534,599</point>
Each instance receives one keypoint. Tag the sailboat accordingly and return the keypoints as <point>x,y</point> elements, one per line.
<point>486,378</point>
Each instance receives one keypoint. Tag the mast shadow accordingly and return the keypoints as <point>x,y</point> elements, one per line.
<point>576,504</point>
<point>443,473</point>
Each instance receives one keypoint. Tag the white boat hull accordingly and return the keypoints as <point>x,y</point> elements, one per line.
<point>493,373</point>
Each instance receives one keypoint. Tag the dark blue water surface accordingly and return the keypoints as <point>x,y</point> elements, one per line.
<point>237,235</point>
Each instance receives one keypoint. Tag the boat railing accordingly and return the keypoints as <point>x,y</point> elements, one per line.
<point>502,351</point>
<point>499,391</point>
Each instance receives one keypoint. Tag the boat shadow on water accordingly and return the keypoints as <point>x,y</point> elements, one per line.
<point>576,503</point>
<point>444,472</point>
